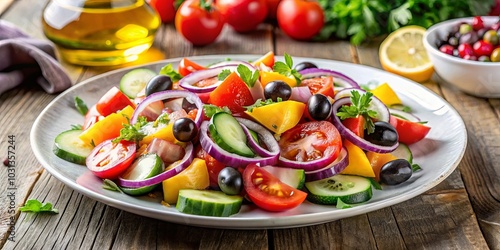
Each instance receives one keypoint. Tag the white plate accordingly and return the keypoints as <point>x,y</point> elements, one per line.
<point>438,154</point>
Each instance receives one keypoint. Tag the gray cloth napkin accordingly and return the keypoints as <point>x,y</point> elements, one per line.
<point>24,59</point>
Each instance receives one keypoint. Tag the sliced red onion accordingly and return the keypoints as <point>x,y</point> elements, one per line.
<point>375,105</point>
<point>266,136</point>
<point>169,94</point>
<point>229,159</point>
<point>188,81</point>
<point>301,94</point>
<point>179,166</point>
<point>235,62</point>
<point>351,136</point>
<point>257,91</point>
<point>308,166</point>
<point>331,169</point>
<point>339,78</point>
<point>405,115</point>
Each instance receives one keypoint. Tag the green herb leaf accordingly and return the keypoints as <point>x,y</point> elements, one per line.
<point>110,185</point>
<point>247,76</point>
<point>375,184</point>
<point>223,74</point>
<point>261,103</point>
<point>162,119</point>
<point>76,127</point>
<point>170,72</point>
<point>132,132</point>
<point>35,206</point>
<point>342,205</point>
<point>359,106</point>
<point>415,167</point>
<point>286,68</point>
<point>211,110</point>
<point>81,106</point>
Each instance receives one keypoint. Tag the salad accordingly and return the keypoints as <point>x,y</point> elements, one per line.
<point>268,132</point>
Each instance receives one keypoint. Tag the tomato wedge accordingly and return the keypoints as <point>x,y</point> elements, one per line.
<point>311,141</point>
<point>113,101</point>
<point>409,132</point>
<point>322,85</point>
<point>356,125</point>
<point>213,166</point>
<point>232,93</point>
<point>108,160</point>
<point>187,67</point>
<point>268,192</point>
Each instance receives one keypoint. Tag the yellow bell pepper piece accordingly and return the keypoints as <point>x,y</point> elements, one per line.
<point>267,77</point>
<point>195,176</point>
<point>107,128</point>
<point>280,116</point>
<point>358,162</point>
<point>377,161</point>
<point>386,94</point>
<point>166,133</point>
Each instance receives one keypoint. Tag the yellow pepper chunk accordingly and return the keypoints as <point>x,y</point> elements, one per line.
<point>267,77</point>
<point>358,162</point>
<point>386,94</point>
<point>195,176</point>
<point>107,128</point>
<point>165,133</point>
<point>377,161</point>
<point>280,116</point>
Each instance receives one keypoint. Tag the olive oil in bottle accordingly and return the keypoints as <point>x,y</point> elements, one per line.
<point>100,32</point>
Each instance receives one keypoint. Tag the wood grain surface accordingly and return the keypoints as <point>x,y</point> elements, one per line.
<point>463,212</point>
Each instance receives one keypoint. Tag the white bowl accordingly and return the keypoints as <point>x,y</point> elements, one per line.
<point>476,78</point>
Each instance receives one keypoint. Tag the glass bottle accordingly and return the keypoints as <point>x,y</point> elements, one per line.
<point>100,32</point>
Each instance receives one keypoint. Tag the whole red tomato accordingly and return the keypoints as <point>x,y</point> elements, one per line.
<point>243,15</point>
<point>165,8</point>
<point>199,22</point>
<point>300,19</point>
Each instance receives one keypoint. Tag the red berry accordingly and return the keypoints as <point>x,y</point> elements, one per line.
<point>482,48</point>
<point>465,49</point>
<point>448,49</point>
<point>477,23</point>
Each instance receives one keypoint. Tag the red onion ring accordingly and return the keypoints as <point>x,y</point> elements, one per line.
<point>188,81</point>
<point>179,167</point>
<point>405,115</point>
<point>267,137</point>
<point>351,136</point>
<point>376,104</point>
<point>308,166</point>
<point>168,94</point>
<point>331,169</point>
<point>227,158</point>
<point>345,82</point>
<point>234,62</point>
<point>301,94</point>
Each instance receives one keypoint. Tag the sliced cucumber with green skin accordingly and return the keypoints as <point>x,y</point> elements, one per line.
<point>348,188</point>
<point>403,152</point>
<point>208,203</point>
<point>135,80</point>
<point>144,167</point>
<point>229,135</point>
<point>69,147</point>
<point>290,176</point>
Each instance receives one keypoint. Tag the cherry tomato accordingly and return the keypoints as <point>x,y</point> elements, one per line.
<point>213,166</point>
<point>108,160</point>
<point>477,23</point>
<point>465,49</point>
<point>482,48</point>
<point>448,49</point>
<point>300,19</point>
<point>199,23</point>
<point>409,132</point>
<point>114,100</point>
<point>272,8</point>
<point>268,192</point>
<point>165,8</point>
<point>310,141</point>
<point>187,67</point>
<point>232,93</point>
<point>243,15</point>
<point>320,85</point>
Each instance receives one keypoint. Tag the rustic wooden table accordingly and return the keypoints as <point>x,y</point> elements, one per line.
<point>463,212</point>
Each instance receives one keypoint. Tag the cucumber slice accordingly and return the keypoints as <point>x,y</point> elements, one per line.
<point>290,176</point>
<point>144,167</point>
<point>70,147</point>
<point>403,152</point>
<point>135,80</point>
<point>348,188</point>
<point>229,135</point>
<point>208,203</point>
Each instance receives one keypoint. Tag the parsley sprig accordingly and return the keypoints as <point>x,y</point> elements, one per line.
<point>210,110</point>
<point>286,68</point>
<point>170,72</point>
<point>131,132</point>
<point>223,74</point>
<point>359,106</point>
<point>35,206</point>
<point>261,103</point>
